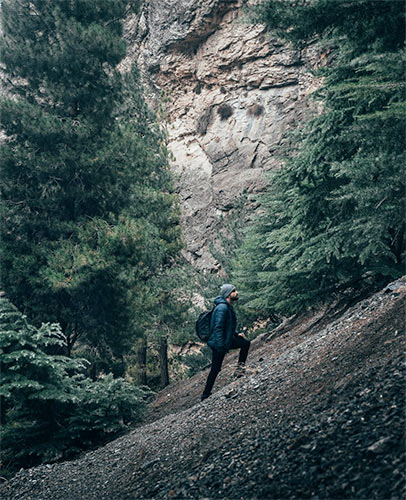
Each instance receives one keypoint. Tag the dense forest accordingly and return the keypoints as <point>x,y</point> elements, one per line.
<point>332,220</point>
<point>90,230</point>
<point>91,266</point>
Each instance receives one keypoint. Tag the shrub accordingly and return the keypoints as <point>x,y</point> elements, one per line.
<point>103,409</point>
<point>225,111</point>
<point>256,110</point>
<point>49,409</point>
<point>197,362</point>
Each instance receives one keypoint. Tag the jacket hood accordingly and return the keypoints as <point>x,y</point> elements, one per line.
<point>220,300</point>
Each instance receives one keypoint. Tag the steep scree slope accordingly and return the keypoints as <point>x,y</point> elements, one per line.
<point>321,417</point>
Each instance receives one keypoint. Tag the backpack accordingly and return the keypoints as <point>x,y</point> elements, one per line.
<point>203,325</point>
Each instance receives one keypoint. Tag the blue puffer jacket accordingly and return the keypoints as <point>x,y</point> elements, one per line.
<point>223,325</point>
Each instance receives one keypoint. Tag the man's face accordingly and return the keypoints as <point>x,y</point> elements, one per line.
<point>234,296</point>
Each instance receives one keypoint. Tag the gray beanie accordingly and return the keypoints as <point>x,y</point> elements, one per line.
<point>226,289</point>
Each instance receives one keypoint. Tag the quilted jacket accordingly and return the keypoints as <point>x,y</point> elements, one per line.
<point>223,325</point>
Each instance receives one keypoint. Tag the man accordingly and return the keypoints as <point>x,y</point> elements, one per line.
<point>224,336</point>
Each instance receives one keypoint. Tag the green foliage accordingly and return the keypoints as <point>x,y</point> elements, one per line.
<point>226,250</point>
<point>87,204</point>
<point>197,362</point>
<point>103,409</point>
<point>49,409</point>
<point>362,25</point>
<point>172,322</point>
<point>332,219</point>
<point>170,318</point>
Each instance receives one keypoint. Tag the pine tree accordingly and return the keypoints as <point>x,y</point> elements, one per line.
<point>34,385</point>
<point>87,208</point>
<point>49,409</point>
<point>333,217</point>
<point>170,310</point>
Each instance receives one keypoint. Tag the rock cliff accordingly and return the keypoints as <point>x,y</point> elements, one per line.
<point>230,93</point>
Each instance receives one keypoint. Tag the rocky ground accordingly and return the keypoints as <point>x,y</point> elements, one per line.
<point>322,415</point>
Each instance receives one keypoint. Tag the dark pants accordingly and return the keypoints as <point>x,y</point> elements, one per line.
<point>218,357</point>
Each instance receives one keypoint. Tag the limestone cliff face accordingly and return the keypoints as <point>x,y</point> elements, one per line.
<point>231,94</point>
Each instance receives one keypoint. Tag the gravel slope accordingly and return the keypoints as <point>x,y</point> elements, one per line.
<point>322,416</point>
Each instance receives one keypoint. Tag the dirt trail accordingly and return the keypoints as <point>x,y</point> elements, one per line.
<point>322,416</point>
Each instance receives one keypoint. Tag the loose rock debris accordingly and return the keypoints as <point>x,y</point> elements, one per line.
<point>322,416</point>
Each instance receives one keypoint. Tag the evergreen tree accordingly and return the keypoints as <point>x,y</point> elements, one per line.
<point>87,210</point>
<point>49,409</point>
<point>170,323</point>
<point>173,324</point>
<point>332,219</point>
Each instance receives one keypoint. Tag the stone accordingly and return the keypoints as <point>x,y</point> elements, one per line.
<point>203,56</point>
<point>379,446</point>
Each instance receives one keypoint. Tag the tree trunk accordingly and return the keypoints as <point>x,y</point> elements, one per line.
<point>141,370</point>
<point>163,362</point>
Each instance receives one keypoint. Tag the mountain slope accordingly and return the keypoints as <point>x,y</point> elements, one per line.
<point>321,417</point>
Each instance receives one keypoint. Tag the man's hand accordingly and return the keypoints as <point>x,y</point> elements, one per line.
<point>242,335</point>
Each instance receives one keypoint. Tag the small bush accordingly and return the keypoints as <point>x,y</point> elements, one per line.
<point>256,110</point>
<point>225,111</point>
<point>197,362</point>
<point>103,410</point>
<point>50,410</point>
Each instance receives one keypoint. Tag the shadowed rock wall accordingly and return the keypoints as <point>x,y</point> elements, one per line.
<point>231,94</point>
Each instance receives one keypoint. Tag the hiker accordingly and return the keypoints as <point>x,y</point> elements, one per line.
<point>223,336</point>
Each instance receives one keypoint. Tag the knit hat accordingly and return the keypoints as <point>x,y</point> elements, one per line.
<point>226,289</point>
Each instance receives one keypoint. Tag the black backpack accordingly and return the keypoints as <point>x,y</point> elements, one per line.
<point>203,325</point>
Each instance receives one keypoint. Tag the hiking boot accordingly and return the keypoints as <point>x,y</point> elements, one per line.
<point>240,370</point>
<point>205,396</point>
